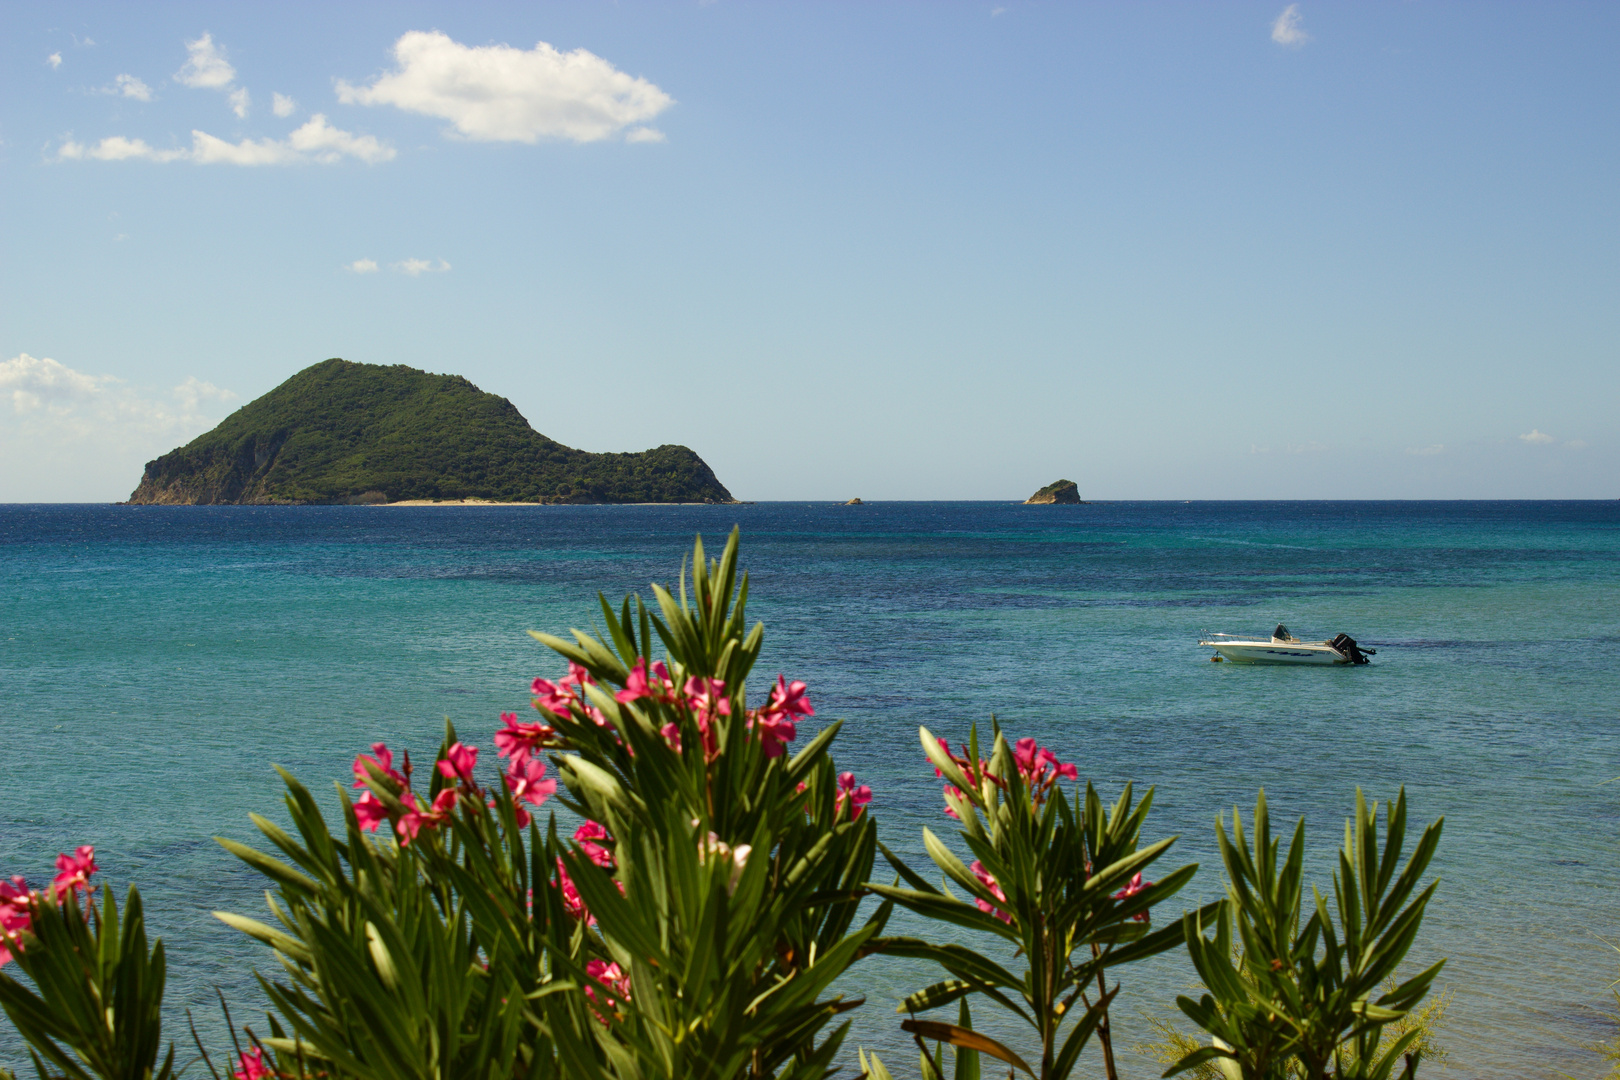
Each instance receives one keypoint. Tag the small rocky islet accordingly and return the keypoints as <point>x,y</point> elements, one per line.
<point>1058,492</point>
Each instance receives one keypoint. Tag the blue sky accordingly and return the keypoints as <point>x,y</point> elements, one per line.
<point>895,251</point>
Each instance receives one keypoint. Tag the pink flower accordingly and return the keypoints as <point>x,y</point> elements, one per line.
<point>586,836</point>
<point>1024,755</point>
<point>952,789</point>
<point>612,979</point>
<point>1132,887</point>
<point>527,782</point>
<point>572,904</point>
<point>369,812</point>
<point>789,698</point>
<point>858,796</point>
<point>383,760</point>
<point>551,697</point>
<point>251,1066</point>
<point>672,735</point>
<point>413,822</point>
<point>73,871</point>
<point>945,746</point>
<point>775,731</point>
<point>459,761</point>
<point>518,740</point>
<point>577,676</point>
<point>637,686</point>
<point>1039,766</point>
<point>15,915</point>
<point>707,696</point>
<point>995,890</point>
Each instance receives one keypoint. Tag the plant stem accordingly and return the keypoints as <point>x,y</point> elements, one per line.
<point>1104,1034</point>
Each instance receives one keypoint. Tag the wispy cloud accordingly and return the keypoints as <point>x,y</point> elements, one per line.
<point>316,141</point>
<point>418,267</point>
<point>1289,29</point>
<point>502,94</point>
<point>206,67</point>
<point>282,105</point>
<point>1537,438</point>
<point>239,102</point>
<point>361,266</point>
<point>1307,448</point>
<point>54,60</point>
<point>131,87</point>
<point>54,397</point>
<point>1427,451</point>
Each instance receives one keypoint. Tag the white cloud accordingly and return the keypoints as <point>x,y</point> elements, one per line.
<point>207,68</point>
<point>1307,448</point>
<point>55,60</point>
<point>36,384</point>
<point>1427,451</point>
<point>44,390</point>
<point>997,11</point>
<point>315,141</point>
<point>131,87</point>
<point>239,102</point>
<point>70,435</point>
<point>644,134</point>
<point>499,93</point>
<point>362,266</point>
<point>1537,438</point>
<point>1289,29</point>
<point>327,144</point>
<point>418,267</point>
<point>1576,444</point>
<point>116,148</point>
<point>1256,449</point>
<point>282,105</point>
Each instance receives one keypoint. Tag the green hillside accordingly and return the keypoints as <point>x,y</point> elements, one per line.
<point>344,433</point>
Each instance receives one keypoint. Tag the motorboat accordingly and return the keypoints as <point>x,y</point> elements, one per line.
<point>1285,648</point>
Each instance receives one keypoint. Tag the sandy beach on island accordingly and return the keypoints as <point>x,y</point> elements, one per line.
<point>457,502</point>
<point>485,502</point>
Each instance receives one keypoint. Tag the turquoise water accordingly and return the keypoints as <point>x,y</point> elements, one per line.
<point>155,661</point>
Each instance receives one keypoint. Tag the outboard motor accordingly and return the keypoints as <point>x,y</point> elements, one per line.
<point>1347,645</point>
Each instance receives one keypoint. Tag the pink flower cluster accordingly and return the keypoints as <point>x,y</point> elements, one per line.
<point>974,773</point>
<point>524,778</point>
<point>17,902</point>
<point>613,980</point>
<point>705,701</point>
<point>592,839</point>
<point>1132,887</point>
<point>990,883</point>
<point>857,797</point>
<point>250,1065</point>
<point>1037,766</point>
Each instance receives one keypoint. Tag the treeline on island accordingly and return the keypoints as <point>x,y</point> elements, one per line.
<point>341,432</point>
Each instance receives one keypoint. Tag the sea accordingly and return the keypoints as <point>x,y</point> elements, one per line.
<point>156,662</point>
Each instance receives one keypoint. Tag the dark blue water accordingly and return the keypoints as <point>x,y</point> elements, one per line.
<point>155,661</point>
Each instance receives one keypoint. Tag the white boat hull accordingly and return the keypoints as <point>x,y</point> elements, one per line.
<point>1266,652</point>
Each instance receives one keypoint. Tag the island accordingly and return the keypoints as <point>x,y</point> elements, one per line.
<point>347,433</point>
<point>1060,491</point>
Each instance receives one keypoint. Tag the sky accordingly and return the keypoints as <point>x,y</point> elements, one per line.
<point>878,250</point>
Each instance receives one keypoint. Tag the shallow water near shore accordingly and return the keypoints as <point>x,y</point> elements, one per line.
<point>155,661</point>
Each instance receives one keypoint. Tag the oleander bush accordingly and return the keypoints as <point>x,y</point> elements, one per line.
<point>722,881</point>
